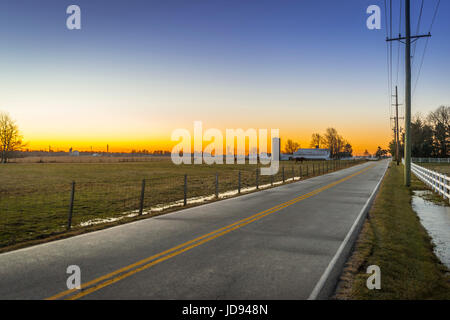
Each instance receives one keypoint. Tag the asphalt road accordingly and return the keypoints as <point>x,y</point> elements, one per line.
<point>273,244</point>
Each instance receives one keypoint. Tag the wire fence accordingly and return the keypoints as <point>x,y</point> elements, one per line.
<point>37,211</point>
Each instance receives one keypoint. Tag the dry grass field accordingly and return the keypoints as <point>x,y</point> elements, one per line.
<point>88,159</point>
<point>439,167</point>
<point>35,197</point>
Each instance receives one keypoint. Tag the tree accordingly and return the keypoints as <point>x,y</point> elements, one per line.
<point>316,140</point>
<point>439,120</point>
<point>348,151</point>
<point>10,137</point>
<point>430,137</point>
<point>393,145</point>
<point>334,142</point>
<point>421,138</point>
<point>381,152</point>
<point>340,143</point>
<point>291,146</point>
<point>378,153</point>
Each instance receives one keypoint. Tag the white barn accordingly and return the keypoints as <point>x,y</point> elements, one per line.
<point>312,154</point>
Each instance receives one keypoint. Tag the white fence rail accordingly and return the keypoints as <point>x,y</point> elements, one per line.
<point>431,160</point>
<point>439,182</point>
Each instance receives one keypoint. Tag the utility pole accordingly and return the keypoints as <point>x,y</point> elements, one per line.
<point>396,128</point>
<point>407,43</point>
<point>408,94</point>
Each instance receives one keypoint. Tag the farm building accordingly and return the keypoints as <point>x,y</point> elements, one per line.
<point>312,154</point>
<point>308,154</point>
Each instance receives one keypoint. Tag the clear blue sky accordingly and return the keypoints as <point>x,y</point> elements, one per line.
<point>139,69</point>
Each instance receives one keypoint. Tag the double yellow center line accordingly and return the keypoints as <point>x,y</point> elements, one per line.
<point>122,273</point>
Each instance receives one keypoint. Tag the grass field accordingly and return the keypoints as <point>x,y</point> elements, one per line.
<point>394,239</point>
<point>439,167</point>
<point>35,197</point>
<point>88,159</point>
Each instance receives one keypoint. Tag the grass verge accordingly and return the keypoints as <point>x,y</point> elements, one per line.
<point>394,239</point>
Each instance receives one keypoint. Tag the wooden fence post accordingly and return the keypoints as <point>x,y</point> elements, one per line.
<point>217,185</point>
<point>239,181</point>
<point>185,190</point>
<point>141,203</point>
<point>72,198</point>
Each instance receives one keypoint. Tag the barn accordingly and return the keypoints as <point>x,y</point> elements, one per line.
<point>312,154</point>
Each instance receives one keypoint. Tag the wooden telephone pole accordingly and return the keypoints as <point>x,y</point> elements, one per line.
<point>407,43</point>
<point>397,128</point>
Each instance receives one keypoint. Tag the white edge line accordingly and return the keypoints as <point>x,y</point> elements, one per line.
<point>320,284</point>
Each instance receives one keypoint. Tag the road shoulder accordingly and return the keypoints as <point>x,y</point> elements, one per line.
<point>393,238</point>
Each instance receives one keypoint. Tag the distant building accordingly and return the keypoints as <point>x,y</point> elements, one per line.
<point>74,153</point>
<point>311,154</point>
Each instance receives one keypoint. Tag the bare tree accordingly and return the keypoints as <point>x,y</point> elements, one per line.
<point>291,146</point>
<point>340,143</point>
<point>334,142</point>
<point>440,121</point>
<point>10,137</point>
<point>316,140</point>
<point>330,140</point>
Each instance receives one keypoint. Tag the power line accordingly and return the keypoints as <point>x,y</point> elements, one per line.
<point>435,14</point>
<point>418,28</point>
<point>388,55</point>
<point>398,44</point>
<point>390,46</point>
<point>420,66</point>
<point>426,46</point>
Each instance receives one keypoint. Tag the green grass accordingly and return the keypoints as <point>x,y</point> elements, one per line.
<point>34,197</point>
<point>394,239</point>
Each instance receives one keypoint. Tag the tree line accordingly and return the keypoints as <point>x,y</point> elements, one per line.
<point>331,140</point>
<point>430,135</point>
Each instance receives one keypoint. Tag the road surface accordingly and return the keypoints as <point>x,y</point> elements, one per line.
<point>280,243</point>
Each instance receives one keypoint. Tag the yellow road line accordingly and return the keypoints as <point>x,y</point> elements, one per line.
<point>188,245</point>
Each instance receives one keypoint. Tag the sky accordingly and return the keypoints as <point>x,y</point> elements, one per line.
<point>137,70</point>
